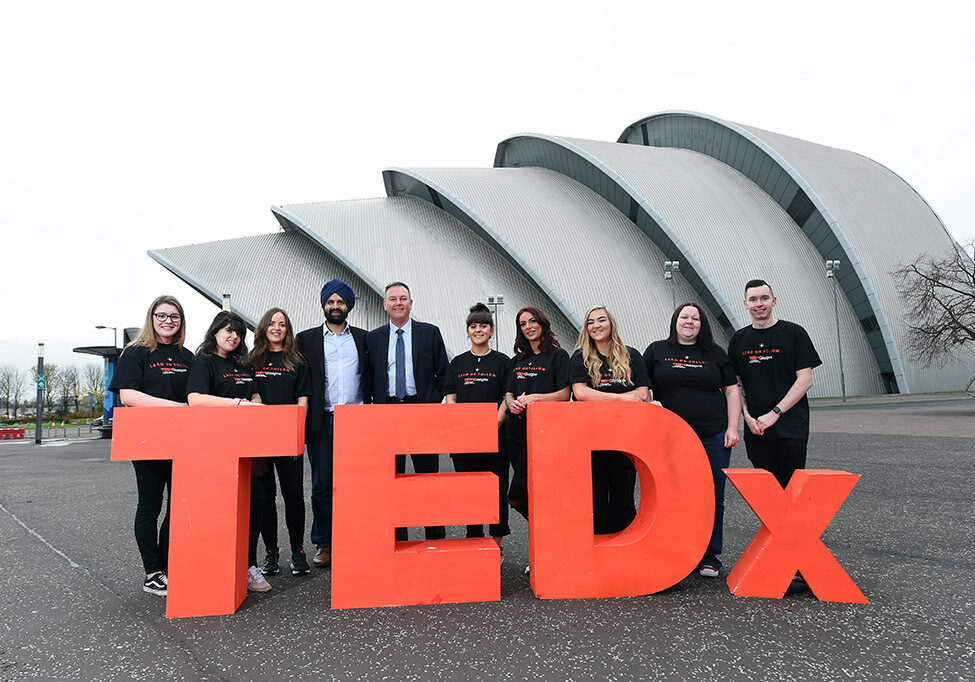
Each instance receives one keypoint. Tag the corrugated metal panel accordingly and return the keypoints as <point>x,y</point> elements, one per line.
<point>567,238</point>
<point>733,232</point>
<point>888,224</point>
<point>447,267</point>
<point>281,269</point>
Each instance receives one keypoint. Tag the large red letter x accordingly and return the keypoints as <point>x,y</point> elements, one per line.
<point>789,540</point>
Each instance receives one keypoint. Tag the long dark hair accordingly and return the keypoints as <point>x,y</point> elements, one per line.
<point>523,347</point>
<point>236,323</point>
<point>705,339</point>
<point>289,354</point>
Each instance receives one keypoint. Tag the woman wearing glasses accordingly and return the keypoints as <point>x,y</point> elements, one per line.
<point>604,369</point>
<point>282,378</point>
<point>152,372</point>
<point>221,377</point>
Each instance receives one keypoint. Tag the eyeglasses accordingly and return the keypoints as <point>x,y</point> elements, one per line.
<point>161,317</point>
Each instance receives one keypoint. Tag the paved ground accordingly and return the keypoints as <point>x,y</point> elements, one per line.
<point>71,604</point>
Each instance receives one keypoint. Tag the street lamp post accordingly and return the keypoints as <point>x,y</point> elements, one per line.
<point>670,267</point>
<point>41,385</point>
<point>495,302</point>
<point>114,331</point>
<point>226,302</point>
<point>832,266</point>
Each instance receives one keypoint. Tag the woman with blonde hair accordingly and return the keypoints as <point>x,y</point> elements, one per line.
<point>602,368</point>
<point>152,372</point>
<point>282,378</point>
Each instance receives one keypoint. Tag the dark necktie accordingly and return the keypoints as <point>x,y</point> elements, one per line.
<point>400,365</point>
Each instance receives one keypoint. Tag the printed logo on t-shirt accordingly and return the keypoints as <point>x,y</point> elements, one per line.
<point>760,354</point>
<point>238,378</point>
<point>528,372</point>
<point>270,370</point>
<point>472,378</point>
<point>686,363</point>
<point>607,379</point>
<point>170,366</point>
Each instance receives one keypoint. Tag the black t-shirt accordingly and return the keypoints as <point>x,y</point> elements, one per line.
<point>766,360</point>
<point>579,374</point>
<point>538,373</point>
<point>689,385</point>
<point>479,379</point>
<point>161,373</point>
<point>214,375</point>
<point>279,385</point>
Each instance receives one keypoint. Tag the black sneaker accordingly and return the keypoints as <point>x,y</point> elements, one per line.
<point>155,585</point>
<point>271,563</point>
<point>299,564</point>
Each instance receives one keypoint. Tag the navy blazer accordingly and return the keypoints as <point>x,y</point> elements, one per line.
<point>431,370</point>
<point>311,346</point>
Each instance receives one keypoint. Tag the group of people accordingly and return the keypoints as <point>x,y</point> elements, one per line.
<point>405,361</point>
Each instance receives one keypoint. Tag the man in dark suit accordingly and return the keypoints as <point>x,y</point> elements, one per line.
<point>336,356</point>
<point>408,363</point>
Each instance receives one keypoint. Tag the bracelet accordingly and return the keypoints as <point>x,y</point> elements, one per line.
<point>238,402</point>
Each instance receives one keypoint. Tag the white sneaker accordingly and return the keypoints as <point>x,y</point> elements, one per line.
<point>256,581</point>
<point>708,571</point>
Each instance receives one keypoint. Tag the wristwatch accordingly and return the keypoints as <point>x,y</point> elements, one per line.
<point>777,409</point>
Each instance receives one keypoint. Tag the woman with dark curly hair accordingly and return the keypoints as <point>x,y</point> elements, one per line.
<point>221,377</point>
<point>539,371</point>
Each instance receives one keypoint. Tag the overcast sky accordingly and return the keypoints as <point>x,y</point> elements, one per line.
<point>130,126</point>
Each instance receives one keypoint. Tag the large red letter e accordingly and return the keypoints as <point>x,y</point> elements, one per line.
<point>369,568</point>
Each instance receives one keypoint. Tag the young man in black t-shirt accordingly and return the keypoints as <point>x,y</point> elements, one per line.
<point>774,360</point>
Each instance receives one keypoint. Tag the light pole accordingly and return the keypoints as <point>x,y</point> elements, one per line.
<point>832,266</point>
<point>114,331</point>
<point>495,302</point>
<point>670,267</point>
<point>41,385</point>
<point>226,302</point>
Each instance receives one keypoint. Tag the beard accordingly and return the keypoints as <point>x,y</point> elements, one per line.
<point>336,315</point>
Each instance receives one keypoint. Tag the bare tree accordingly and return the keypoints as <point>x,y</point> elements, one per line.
<point>939,294</point>
<point>5,375</point>
<point>94,380</point>
<point>53,374</point>
<point>70,385</point>
<point>18,388</point>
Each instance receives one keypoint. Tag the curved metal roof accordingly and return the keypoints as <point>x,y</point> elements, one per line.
<point>817,201</point>
<point>282,269</point>
<point>567,238</point>
<point>726,227</point>
<point>447,267</point>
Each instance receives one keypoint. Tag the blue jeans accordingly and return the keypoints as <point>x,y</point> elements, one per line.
<point>719,457</point>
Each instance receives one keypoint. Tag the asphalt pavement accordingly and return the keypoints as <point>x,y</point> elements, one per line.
<point>72,605</point>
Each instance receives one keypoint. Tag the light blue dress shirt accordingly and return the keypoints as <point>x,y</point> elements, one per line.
<point>342,383</point>
<point>391,358</point>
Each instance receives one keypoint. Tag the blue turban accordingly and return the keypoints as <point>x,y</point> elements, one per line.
<point>337,286</point>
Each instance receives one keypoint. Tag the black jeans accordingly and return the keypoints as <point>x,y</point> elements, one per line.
<point>781,456</point>
<point>291,474</point>
<point>517,447</point>
<point>153,479</point>
<point>613,482</point>
<point>258,500</point>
